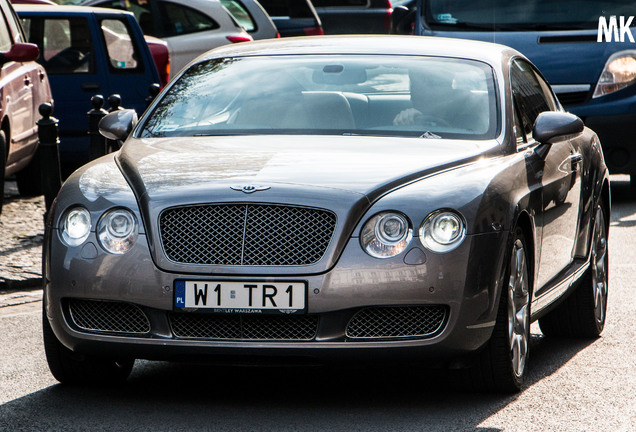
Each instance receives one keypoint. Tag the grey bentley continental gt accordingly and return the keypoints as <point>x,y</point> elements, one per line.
<point>333,198</point>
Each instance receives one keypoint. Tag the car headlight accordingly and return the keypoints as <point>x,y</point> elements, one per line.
<point>386,235</point>
<point>117,231</point>
<point>619,72</point>
<point>442,231</point>
<point>75,226</point>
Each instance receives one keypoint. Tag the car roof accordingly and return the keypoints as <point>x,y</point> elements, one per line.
<point>369,44</point>
<point>66,9</point>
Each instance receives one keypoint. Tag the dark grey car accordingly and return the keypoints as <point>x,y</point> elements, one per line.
<point>328,198</point>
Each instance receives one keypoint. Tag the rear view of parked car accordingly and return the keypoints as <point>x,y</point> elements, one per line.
<point>191,27</point>
<point>24,85</point>
<point>294,17</point>
<point>88,51</point>
<point>354,16</point>
<point>592,79</point>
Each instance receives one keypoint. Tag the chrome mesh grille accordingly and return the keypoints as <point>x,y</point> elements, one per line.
<point>396,322</point>
<point>244,327</point>
<point>246,234</point>
<point>106,316</point>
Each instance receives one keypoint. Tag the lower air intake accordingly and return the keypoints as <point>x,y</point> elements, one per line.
<point>108,317</point>
<point>244,327</point>
<point>397,322</point>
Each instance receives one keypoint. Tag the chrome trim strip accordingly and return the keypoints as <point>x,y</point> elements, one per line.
<point>480,326</point>
<point>571,88</point>
<point>558,290</point>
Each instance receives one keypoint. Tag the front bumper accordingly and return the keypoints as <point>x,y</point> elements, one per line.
<point>465,284</point>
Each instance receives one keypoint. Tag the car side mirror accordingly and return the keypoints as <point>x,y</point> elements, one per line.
<point>401,20</point>
<point>553,126</point>
<point>118,125</point>
<point>21,52</point>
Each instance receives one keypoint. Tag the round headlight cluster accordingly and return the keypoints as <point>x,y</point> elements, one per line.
<point>117,231</point>
<point>442,231</point>
<point>75,226</point>
<point>386,235</point>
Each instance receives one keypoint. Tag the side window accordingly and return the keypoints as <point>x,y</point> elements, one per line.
<point>239,13</point>
<point>5,35</point>
<point>287,8</point>
<point>141,10</point>
<point>122,55</point>
<point>66,46</point>
<point>184,20</point>
<point>528,95</point>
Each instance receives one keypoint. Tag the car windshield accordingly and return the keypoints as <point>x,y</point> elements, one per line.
<point>505,15</point>
<point>330,94</point>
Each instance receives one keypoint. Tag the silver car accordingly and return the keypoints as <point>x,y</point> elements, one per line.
<point>254,19</point>
<point>190,27</point>
<point>333,198</point>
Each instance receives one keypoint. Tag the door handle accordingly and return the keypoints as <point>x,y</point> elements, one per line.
<point>575,160</point>
<point>90,86</point>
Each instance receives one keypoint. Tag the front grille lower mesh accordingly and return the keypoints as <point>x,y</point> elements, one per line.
<point>396,322</point>
<point>244,327</point>
<point>107,316</point>
<point>246,234</point>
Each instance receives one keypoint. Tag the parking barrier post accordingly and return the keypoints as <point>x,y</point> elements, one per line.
<point>49,154</point>
<point>153,91</point>
<point>114,104</point>
<point>97,145</point>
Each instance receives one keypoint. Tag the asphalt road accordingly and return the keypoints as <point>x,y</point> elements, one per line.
<point>573,385</point>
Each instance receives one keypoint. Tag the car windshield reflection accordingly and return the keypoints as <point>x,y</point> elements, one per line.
<point>330,95</point>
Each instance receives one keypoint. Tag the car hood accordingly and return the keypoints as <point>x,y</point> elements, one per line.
<point>169,168</point>
<point>343,174</point>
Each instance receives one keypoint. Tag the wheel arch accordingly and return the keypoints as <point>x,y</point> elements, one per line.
<point>524,221</point>
<point>6,127</point>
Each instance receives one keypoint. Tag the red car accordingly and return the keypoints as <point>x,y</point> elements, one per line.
<point>24,85</point>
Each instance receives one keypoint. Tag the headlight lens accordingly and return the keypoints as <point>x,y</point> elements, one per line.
<point>75,226</point>
<point>117,231</point>
<point>386,235</point>
<point>442,231</point>
<point>619,72</point>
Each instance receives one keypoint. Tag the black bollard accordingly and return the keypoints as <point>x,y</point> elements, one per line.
<point>153,91</point>
<point>114,104</point>
<point>97,145</point>
<point>49,154</point>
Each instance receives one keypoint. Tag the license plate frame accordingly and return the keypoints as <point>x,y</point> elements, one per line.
<point>245,296</point>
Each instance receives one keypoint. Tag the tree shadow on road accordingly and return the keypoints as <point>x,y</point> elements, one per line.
<point>201,396</point>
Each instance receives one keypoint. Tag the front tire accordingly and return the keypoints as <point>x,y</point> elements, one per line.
<point>583,313</point>
<point>501,365</point>
<point>71,368</point>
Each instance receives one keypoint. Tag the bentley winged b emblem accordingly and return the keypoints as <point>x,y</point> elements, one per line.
<point>248,189</point>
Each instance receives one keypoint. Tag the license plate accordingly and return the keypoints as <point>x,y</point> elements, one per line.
<point>241,297</point>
